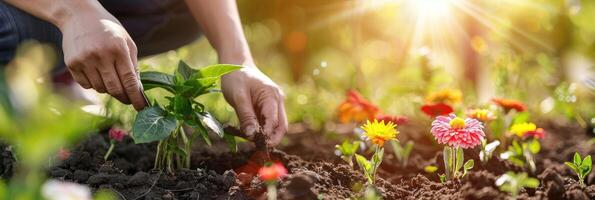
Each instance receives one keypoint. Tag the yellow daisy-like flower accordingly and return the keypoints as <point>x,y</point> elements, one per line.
<point>448,96</point>
<point>522,128</point>
<point>379,132</point>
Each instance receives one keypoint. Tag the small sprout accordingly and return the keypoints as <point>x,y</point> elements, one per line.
<point>513,183</point>
<point>522,154</point>
<point>487,150</point>
<point>347,150</point>
<point>582,168</point>
<point>402,152</point>
<point>272,173</point>
<point>377,133</point>
<point>115,135</point>
<point>356,109</point>
<point>457,134</point>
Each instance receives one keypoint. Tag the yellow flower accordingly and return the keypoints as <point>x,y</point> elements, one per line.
<point>379,132</point>
<point>522,128</point>
<point>483,115</point>
<point>447,96</point>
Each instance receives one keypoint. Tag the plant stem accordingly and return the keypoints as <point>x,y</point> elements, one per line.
<point>187,147</point>
<point>271,191</point>
<point>453,160</point>
<point>109,151</point>
<point>157,155</point>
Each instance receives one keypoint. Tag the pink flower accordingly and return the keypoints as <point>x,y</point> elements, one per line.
<point>116,134</point>
<point>63,154</point>
<point>456,132</point>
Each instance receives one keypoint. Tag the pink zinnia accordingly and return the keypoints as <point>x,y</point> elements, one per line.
<point>457,132</point>
<point>116,134</point>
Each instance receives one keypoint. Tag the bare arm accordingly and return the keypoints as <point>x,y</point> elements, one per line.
<point>258,101</point>
<point>98,51</point>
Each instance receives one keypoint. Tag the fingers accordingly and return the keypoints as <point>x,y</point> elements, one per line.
<point>281,128</point>
<point>129,78</point>
<point>94,76</point>
<point>247,116</point>
<point>80,78</point>
<point>269,111</point>
<point>112,82</point>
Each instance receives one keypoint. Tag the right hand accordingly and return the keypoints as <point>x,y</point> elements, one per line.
<point>100,54</point>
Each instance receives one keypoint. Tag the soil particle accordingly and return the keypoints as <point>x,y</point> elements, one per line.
<point>553,183</point>
<point>81,175</point>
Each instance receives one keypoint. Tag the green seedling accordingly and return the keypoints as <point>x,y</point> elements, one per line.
<point>369,167</point>
<point>166,124</point>
<point>487,150</point>
<point>522,154</point>
<point>453,162</point>
<point>582,168</point>
<point>513,183</point>
<point>402,152</point>
<point>347,150</point>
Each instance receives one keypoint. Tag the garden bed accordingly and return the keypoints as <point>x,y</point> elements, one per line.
<point>315,172</point>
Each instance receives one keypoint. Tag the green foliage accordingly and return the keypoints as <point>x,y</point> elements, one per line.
<point>454,160</point>
<point>582,167</point>
<point>487,150</point>
<point>347,150</point>
<point>402,152</point>
<point>522,154</point>
<point>513,183</point>
<point>166,124</point>
<point>369,167</point>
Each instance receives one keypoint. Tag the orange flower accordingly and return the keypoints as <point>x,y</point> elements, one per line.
<point>356,109</point>
<point>447,96</point>
<point>509,104</point>
<point>438,109</point>
<point>483,115</point>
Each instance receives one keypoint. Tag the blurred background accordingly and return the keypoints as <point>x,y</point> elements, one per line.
<point>394,52</point>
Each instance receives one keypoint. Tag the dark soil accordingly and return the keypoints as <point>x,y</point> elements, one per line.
<point>314,171</point>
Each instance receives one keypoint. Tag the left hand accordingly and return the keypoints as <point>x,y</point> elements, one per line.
<point>258,101</point>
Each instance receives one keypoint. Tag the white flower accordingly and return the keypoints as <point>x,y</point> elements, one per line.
<point>61,190</point>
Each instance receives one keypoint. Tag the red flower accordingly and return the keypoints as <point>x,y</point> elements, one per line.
<point>116,134</point>
<point>438,109</point>
<point>398,120</point>
<point>63,153</point>
<point>538,133</point>
<point>356,108</point>
<point>510,104</point>
<point>272,173</point>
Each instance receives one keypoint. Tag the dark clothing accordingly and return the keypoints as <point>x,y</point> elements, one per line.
<point>155,26</point>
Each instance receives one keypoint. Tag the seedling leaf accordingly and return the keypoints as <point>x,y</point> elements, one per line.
<point>216,70</point>
<point>152,79</point>
<point>577,159</point>
<point>152,124</point>
<point>211,124</point>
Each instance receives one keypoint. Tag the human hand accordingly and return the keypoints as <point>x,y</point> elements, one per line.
<point>258,101</point>
<point>100,54</point>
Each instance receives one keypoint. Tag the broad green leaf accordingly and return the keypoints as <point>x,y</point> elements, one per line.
<point>363,162</point>
<point>577,159</point>
<point>182,106</point>
<point>148,86</point>
<point>460,159</point>
<point>157,78</point>
<point>211,124</point>
<point>152,124</point>
<point>216,70</point>
<point>468,166</point>
<point>185,70</point>
<point>447,159</point>
<point>587,164</point>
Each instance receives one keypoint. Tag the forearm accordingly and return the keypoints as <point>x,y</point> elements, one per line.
<point>57,12</point>
<point>220,22</point>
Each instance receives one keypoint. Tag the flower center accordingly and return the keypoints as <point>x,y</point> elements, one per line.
<point>457,123</point>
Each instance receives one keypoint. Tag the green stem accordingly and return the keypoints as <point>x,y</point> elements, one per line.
<point>187,147</point>
<point>109,151</point>
<point>157,155</point>
<point>453,161</point>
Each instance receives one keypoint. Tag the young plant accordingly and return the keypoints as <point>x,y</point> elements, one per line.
<point>457,134</point>
<point>347,150</point>
<point>487,150</point>
<point>402,152</point>
<point>377,133</point>
<point>523,154</point>
<point>115,135</point>
<point>271,174</point>
<point>513,183</point>
<point>582,168</point>
<point>166,123</point>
